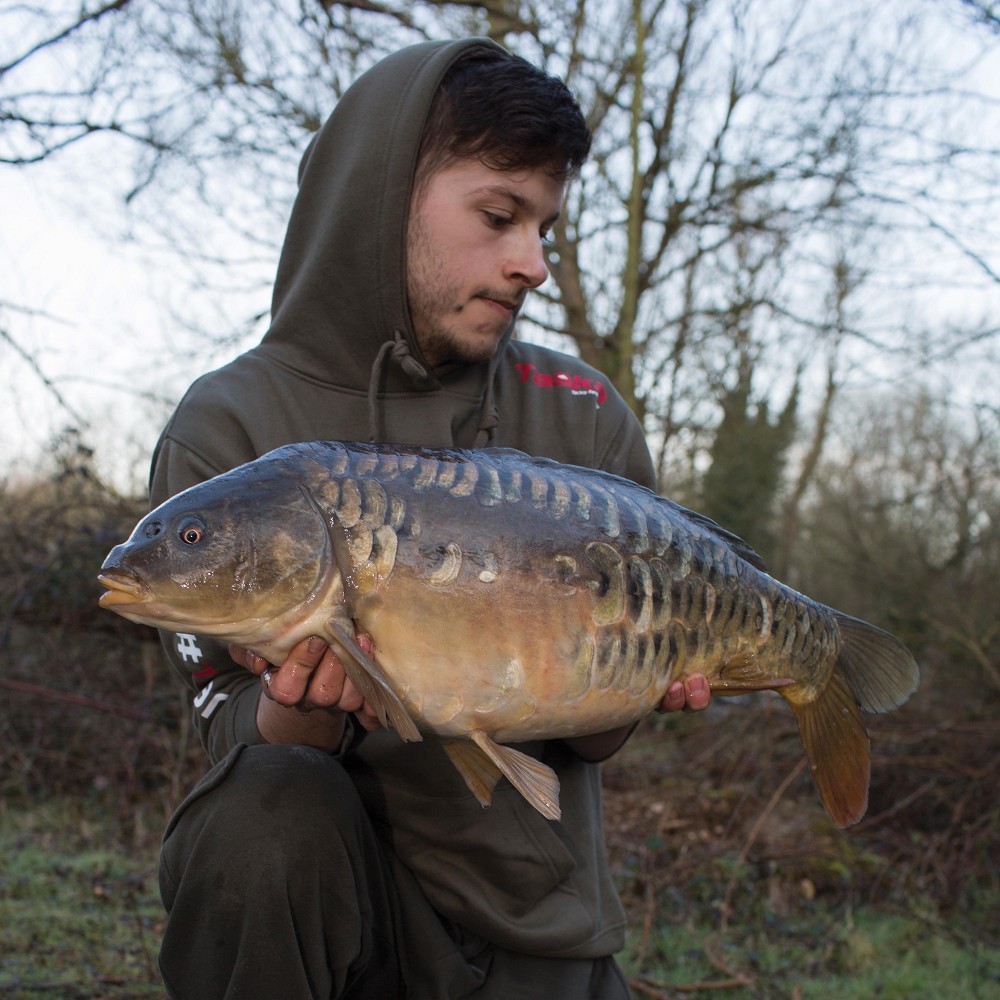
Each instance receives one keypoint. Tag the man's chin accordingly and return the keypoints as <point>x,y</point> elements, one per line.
<point>476,348</point>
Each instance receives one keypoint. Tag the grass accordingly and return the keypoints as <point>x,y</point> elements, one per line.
<point>828,954</point>
<point>80,919</point>
<point>736,883</point>
<point>79,911</point>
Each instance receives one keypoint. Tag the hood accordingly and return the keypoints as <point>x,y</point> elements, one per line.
<point>339,309</point>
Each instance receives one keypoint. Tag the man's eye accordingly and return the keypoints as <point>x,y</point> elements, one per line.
<point>497,221</point>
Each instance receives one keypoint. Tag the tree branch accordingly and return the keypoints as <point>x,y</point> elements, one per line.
<point>59,36</point>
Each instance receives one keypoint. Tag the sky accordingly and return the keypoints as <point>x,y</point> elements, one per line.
<point>94,312</point>
<point>66,294</point>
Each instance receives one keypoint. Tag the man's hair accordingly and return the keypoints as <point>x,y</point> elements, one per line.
<point>500,109</point>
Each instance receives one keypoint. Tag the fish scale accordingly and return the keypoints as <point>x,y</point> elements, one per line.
<point>618,661</point>
<point>507,599</point>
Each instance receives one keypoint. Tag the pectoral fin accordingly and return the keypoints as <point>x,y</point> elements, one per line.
<point>367,676</point>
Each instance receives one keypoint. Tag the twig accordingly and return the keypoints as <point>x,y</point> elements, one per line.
<point>45,380</point>
<point>647,922</point>
<point>85,701</point>
<point>741,979</point>
<point>81,20</point>
<point>645,986</point>
<point>656,990</point>
<point>927,786</point>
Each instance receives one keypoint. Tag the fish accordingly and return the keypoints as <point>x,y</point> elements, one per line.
<point>508,598</point>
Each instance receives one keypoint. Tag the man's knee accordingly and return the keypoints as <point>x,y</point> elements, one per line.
<point>274,882</point>
<point>263,807</point>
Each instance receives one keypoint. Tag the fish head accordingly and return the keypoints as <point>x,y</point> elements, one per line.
<point>243,558</point>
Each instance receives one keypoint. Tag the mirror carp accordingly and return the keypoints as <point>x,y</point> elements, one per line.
<point>508,598</point>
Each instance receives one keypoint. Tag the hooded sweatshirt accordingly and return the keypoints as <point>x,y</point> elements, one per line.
<point>340,361</point>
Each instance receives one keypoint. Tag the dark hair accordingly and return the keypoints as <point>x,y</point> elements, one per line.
<point>502,110</point>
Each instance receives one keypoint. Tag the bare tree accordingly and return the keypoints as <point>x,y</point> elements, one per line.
<point>42,114</point>
<point>903,524</point>
<point>740,146</point>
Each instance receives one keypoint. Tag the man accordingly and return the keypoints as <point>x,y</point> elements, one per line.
<point>321,856</point>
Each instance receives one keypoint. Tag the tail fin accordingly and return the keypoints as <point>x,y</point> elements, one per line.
<point>837,746</point>
<point>878,668</point>
<point>874,672</point>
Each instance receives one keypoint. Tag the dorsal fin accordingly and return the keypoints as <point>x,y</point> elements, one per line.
<point>641,493</point>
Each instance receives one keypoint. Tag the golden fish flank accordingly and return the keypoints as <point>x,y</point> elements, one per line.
<point>581,594</point>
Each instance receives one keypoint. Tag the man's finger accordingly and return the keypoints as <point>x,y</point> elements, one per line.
<point>696,692</point>
<point>674,699</point>
<point>245,658</point>
<point>690,695</point>
<point>307,652</point>
<point>288,682</point>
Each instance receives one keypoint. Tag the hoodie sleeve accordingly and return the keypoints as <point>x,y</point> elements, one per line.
<point>224,695</point>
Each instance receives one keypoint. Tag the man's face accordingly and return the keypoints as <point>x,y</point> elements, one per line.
<point>474,248</point>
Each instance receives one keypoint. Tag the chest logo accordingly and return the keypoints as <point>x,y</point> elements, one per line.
<point>576,384</point>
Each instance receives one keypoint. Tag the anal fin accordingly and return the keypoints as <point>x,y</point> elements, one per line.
<point>741,674</point>
<point>536,781</point>
<point>479,772</point>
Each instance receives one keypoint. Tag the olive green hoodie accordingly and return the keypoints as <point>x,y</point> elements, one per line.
<point>339,361</point>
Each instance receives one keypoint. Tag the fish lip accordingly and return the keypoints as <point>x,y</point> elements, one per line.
<point>121,588</point>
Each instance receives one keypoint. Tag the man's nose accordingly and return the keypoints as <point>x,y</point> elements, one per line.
<point>527,262</point>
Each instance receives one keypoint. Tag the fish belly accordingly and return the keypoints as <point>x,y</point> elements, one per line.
<point>510,658</point>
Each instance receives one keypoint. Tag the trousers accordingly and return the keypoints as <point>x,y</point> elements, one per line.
<point>277,887</point>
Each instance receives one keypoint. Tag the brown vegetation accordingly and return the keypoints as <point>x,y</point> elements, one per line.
<point>713,822</point>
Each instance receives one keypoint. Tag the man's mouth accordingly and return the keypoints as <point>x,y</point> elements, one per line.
<point>509,306</point>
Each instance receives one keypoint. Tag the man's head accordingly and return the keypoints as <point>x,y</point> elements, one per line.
<point>501,141</point>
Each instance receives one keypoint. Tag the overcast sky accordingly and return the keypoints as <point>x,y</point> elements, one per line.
<point>95,314</point>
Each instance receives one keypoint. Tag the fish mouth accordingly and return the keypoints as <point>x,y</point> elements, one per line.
<point>121,588</point>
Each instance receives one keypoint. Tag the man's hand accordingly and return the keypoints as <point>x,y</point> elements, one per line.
<point>305,697</point>
<point>692,695</point>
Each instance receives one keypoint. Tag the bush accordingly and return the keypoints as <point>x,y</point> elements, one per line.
<point>90,705</point>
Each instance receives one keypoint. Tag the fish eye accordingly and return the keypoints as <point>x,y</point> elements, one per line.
<point>192,531</point>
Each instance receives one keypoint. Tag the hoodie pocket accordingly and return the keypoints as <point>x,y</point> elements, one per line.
<point>469,859</point>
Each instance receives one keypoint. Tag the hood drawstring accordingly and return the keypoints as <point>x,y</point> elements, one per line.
<point>489,415</point>
<point>399,351</point>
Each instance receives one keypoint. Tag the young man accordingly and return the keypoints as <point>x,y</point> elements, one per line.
<point>321,856</point>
